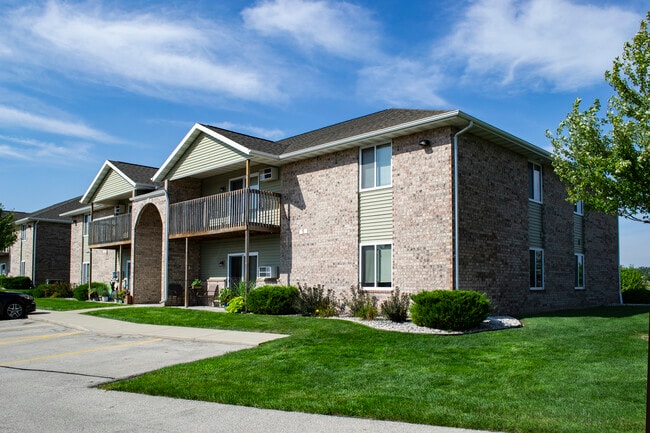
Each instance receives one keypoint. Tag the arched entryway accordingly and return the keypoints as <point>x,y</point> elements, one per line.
<point>148,257</point>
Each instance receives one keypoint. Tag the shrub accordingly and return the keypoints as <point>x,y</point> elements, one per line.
<point>361,304</point>
<point>456,310</point>
<point>80,293</point>
<point>236,305</point>
<point>54,290</point>
<point>315,301</point>
<point>632,279</point>
<point>636,296</point>
<point>272,300</point>
<point>396,307</point>
<point>16,283</point>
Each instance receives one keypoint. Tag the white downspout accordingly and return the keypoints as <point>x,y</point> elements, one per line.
<point>456,255</point>
<point>166,243</point>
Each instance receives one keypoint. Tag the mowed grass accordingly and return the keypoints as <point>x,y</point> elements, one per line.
<point>58,304</point>
<point>578,371</point>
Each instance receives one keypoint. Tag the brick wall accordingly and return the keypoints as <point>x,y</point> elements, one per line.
<point>493,222</point>
<point>319,240</point>
<point>493,200</point>
<point>147,254</point>
<point>422,212</point>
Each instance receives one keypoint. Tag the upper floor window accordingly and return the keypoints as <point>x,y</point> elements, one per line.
<point>535,182</point>
<point>86,224</point>
<point>579,208</point>
<point>23,232</point>
<point>375,165</point>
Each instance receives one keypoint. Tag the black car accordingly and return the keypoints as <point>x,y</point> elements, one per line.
<point>15,305</point>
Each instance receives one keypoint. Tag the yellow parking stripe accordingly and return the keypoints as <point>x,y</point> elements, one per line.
<point>79,352</point>
<point>37,337</point>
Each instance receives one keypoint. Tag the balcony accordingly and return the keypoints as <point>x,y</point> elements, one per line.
<point>110,231</point>
<point>226,213</point>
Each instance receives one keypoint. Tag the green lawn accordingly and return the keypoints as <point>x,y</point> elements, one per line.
<point>58,304</point>
<point>580,371</point>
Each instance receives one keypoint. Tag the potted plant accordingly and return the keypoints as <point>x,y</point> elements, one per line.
<point>103,294</point>
<point>197,284</point>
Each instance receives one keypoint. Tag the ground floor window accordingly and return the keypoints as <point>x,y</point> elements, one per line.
<point>580,271</point>
<point>376,266</point>
<point>22,268</point>
<point>536,269</point>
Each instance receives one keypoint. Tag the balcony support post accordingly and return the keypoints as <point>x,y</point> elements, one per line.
<point>186,276</point>
<point>247,229</point>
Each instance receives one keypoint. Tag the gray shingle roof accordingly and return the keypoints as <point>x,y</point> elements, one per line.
<point>140,174</point>
<point>350,128</point>
<point>254,143</point>
<point>54,212</point>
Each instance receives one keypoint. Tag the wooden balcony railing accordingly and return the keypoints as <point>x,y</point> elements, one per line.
<point>225,212</point>
<point>110,231</point>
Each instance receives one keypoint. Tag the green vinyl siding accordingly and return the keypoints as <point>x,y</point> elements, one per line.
<point>212,252</point>
<point>535,226</point>
<point>113,185</point>
<point>578,234</point>
<point>205,154</point>
<point>376,215</point>
<point>213,185</point>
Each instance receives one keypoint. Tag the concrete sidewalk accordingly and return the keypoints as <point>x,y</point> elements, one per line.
<point>176,415</point>
<point>102,326</point>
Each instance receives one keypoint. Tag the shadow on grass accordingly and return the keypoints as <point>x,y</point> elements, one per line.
<point>615,311</point>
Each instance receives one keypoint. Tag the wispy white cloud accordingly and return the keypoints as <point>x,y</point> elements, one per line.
<point>143,52</point>
<point>402,82</point>
<point>28,149</point>
<point>255,131</point>
<point>339,28</point>
<point>12,117</point>
<point>520,43</point>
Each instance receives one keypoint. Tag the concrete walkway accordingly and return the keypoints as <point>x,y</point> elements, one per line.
<point>228,418</point>
<point>102,326</point>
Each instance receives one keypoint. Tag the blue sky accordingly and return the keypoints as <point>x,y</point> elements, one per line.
<point>83,82</point>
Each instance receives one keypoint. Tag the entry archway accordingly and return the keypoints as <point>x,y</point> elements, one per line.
<point>148,257</point>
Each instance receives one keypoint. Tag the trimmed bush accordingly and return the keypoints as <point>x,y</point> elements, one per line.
<point>454,310</point>
<point>315,301</point>
<point>273,300</point>
<point>16,283</point>
<point>54,290</point>
<point>396,307</point>
<point>80,293</point>
<point>636,296</point>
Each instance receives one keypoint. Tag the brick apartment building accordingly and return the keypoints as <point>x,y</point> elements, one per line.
<point>415,199</point>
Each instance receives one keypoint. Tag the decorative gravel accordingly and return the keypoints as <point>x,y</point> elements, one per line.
<point>492,323</point>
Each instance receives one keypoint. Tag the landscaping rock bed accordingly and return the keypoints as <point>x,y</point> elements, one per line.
<point>492,323</point>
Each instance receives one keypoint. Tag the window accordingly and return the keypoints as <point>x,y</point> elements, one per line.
<point>23,232</point>
<point>375,166</point>
<point>536,269</point>
<point>86,224</point>
<point>579,208</point>
<point>534,182</point>
<point>580,271</point>
<point>376,266</point>
<point>22,268</point>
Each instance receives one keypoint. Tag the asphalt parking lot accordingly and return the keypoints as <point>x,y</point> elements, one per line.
<point>49,373</point>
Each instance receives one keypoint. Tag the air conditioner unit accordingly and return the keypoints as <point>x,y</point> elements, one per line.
<point>267,272</point>
<point>119,209</point>
<point>268,173</point>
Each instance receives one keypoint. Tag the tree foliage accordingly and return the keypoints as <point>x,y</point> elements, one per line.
<point>7,229</point>
<point>605,161</point>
